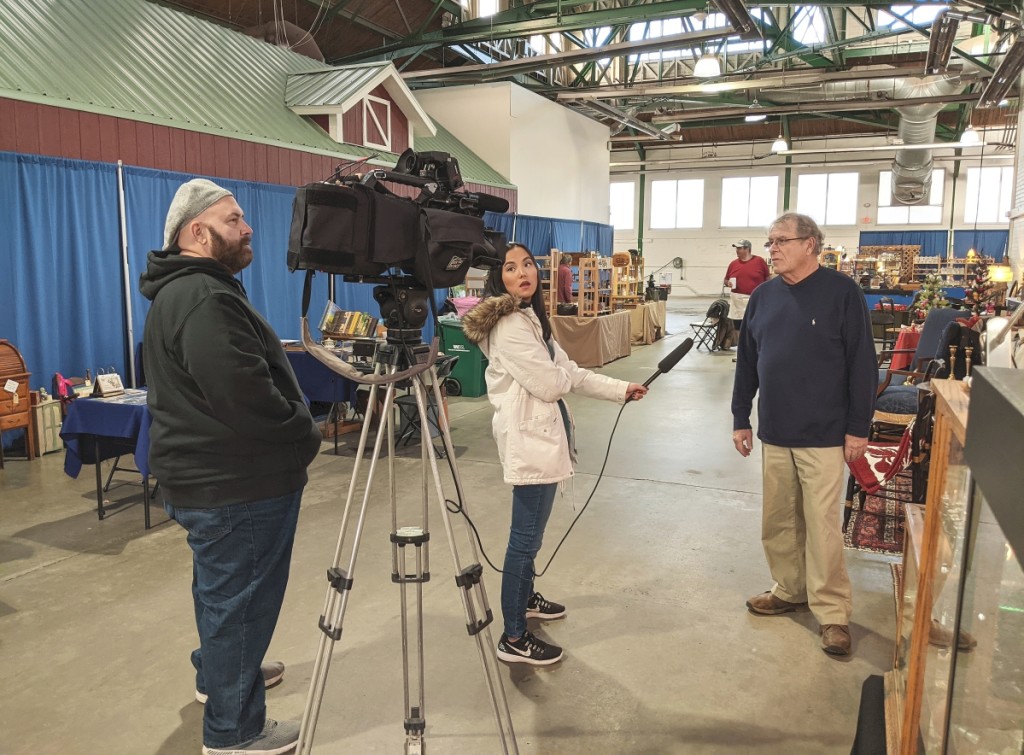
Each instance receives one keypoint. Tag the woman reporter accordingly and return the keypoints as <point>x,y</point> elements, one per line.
<point>528,374</point>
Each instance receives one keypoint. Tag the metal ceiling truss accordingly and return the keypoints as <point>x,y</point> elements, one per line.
<point>630,63</point>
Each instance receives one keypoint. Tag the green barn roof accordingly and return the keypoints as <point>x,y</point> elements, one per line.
<point>142,61</point>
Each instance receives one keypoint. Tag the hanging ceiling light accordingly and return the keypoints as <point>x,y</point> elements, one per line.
<point>779,144</point>
<point>755,113</point>
<point>970,136</point>
<point>708,67</point>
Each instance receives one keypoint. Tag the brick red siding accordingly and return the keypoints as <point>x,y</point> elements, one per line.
<point>57,132</point>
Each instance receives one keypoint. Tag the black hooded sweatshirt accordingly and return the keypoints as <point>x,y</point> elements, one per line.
<point>229,421</point>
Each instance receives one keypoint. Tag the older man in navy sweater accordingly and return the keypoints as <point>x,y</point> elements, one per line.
<point>806,349</point>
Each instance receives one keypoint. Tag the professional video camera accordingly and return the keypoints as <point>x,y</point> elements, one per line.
<point>355,226</point>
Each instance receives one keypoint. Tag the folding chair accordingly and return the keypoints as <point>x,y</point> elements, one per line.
<point>883,323</point>
<point>706,333</point>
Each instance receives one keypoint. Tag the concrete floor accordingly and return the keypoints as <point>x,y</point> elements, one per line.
<point>96,617</point>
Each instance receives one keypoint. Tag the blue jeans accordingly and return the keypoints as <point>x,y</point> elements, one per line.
<point>240,559</point>
<point>531,507</point>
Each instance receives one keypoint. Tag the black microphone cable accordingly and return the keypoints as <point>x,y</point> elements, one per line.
<point>664,365</point>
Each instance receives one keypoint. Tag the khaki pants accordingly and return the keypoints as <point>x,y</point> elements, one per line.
<point>800,529</point>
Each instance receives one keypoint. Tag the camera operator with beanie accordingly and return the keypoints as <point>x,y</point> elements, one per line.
<point>231,439</point>
<point>745,273</point>
<point>528,376</point>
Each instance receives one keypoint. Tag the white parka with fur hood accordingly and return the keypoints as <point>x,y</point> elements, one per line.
<point>524,384</point>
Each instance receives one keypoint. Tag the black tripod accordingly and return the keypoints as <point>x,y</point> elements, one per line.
<point>404,357</point>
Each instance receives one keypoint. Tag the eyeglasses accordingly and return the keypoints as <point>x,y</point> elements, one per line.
<point>779,242</point>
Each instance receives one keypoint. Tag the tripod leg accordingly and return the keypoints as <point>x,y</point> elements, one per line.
<point>340,580</point>
<point>411,539</point>
<point>468,579</point>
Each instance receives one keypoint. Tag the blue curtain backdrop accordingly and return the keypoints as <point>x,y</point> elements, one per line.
<point>989,243</point>
<point>541,234</point>
<point>933,243</point>
<point>567,235</point>
<point>274,291</point>
<point>61,300</point>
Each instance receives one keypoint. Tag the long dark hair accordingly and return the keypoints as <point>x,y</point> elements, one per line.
<point>495,286</point>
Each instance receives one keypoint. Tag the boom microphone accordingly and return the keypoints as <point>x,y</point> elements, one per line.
<point>486,202</point>
<point>671,360</point>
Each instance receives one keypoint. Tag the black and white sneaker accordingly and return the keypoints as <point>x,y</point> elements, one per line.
<point>528,649</point>
<point>539,608</point>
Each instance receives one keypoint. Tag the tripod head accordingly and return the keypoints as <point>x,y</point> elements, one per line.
<point>404,308</point>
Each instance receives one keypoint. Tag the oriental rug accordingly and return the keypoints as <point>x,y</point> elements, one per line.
<point>877,525</point>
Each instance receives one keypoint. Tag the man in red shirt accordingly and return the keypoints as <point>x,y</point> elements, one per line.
<point>745,273</point>
<point>565,303</point>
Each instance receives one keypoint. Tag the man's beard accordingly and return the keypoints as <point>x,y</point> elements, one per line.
<point>235,257</point>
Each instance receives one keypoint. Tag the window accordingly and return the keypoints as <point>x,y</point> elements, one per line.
<point>922,15</point>
<point>829,198</point>
<point>891,212</point>
<point>677,204</point>
<point>749,201</point>
<point>621,203</point>
<point>808,25</point>
<point>643,30</point>
<point>376,122</point>
<point>989,193</point>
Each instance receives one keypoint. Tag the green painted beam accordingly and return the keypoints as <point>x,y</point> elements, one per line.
<point>926,33</point>
<point>527,20</point>
<point>783,38</point>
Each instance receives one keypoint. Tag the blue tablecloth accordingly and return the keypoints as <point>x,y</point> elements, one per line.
<point>318,383</point>
<point>121,424</point>
<point>874,295</point>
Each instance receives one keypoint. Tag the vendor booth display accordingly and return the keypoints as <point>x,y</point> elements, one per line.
<point>593,341</point>
<point>647,322</point>
<point>627,281</point>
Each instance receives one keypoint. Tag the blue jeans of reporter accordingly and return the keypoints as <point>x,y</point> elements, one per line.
<point>531,507</point>
<point>240,559</point>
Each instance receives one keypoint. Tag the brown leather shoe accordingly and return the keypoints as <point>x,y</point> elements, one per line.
<point>941,637</point>
<point>767,604</point>
<point>835,639</point>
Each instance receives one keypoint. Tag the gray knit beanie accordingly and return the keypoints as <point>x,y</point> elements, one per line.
<point>191,199</point>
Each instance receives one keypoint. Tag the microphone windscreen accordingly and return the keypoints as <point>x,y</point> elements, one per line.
<point>678,353</point>
<point>490,203</point>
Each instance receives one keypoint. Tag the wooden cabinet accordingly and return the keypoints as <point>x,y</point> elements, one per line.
<point>47,420</point>
<point>15,409</point>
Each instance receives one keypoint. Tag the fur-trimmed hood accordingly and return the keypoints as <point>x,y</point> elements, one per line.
<point>478,322</point>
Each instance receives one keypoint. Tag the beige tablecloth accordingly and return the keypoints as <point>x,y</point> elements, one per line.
<point>593,341</point>
<point>647,322</point>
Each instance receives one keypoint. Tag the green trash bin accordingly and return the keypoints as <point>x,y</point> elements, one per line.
<point>467,377</point>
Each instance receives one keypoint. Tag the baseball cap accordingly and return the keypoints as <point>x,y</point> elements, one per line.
<point>741,243</point>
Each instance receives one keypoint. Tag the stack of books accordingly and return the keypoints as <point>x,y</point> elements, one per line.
<point>338,323</point>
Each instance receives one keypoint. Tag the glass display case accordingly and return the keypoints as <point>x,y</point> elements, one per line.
<point>917,688</point>
<point>958,681</point>
<point>986,707</point>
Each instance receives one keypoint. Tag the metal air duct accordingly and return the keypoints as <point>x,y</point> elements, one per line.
<point>911,168</point>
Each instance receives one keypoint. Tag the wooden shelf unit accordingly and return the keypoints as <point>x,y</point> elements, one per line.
<point>627,285</point>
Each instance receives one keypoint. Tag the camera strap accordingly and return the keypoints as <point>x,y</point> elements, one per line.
<point>307,291</point>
